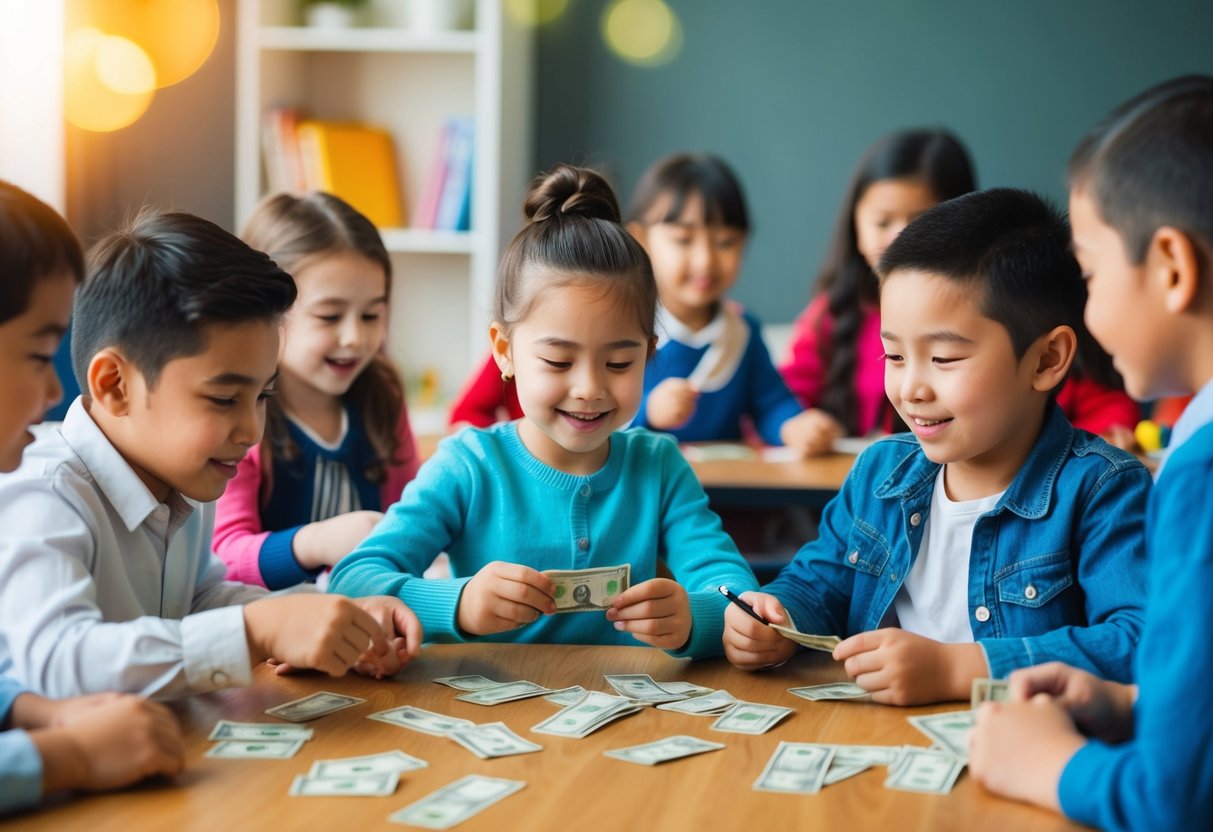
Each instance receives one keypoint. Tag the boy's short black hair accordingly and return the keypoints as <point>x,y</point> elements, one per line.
<point>35,243</point>
<point>1012,246</point>
<point>1149,164</point>
<point>155,286</point>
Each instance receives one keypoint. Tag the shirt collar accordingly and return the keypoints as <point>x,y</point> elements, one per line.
<point>113,475</point>
<point>670,328</point>
<point>1197,413</point>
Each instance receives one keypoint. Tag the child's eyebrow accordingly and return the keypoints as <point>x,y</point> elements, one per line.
<point>51,329</point>
<point>563,343</point>
<point>239,380</point>
<point>946,336</point>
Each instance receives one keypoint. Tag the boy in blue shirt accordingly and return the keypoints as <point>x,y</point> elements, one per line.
<point>995,535</point>
<point>1143,232</point>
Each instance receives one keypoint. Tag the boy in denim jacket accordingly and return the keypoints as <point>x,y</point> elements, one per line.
<point>996,536</point>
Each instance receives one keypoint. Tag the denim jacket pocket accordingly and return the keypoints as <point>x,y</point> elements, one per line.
<point>867,550</point>
<point>1034,582</point>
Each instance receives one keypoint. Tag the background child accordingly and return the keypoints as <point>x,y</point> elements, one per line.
<point>337,446</point>
<point>997,536</point>
<point>712,369</point>
<point>562,488</point>
<point>834,362</point>
<point>107,580</point>
<point>487,399</point>
<point>1143,232</point>
<point>94,742</point>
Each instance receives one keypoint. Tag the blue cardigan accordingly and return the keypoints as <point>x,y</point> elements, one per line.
<point>484,497</point>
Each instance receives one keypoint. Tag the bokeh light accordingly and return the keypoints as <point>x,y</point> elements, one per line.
<point>108,80</point>
<point>178,35</point>
<point>644,32</point>
<point>535,12</point>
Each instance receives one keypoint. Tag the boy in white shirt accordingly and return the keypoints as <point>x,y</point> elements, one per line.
<point>107,579</point>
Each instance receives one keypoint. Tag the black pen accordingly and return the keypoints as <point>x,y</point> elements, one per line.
<point>728,593</point>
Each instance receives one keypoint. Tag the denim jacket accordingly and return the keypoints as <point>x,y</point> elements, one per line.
<point>1057,569</point>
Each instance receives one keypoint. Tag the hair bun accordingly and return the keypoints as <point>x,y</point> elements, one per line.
<point>566,190</point>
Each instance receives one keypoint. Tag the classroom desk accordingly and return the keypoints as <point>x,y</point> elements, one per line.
<point>750,483</point>
<point>570,784</point>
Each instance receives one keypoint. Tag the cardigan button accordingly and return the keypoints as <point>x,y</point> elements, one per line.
<point>583,543</point>
<point>982,614</point>
<point>915,519</point>
<point>585,490</point>
<point>1030,592</point>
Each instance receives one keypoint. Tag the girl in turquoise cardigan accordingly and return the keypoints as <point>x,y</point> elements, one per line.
<point>563,487</point>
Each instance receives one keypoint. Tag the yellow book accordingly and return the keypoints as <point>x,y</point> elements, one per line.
<point>355,162</point>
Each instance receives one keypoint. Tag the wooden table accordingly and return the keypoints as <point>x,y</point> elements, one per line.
<point>570,784</point>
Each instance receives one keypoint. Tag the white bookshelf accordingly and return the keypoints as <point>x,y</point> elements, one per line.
<point>410,82</point>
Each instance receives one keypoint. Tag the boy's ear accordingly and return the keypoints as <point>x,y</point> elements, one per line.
<point>500,343</point>
<point>1174,261</point>
<point>1054,353</point>
<point>109,378</point>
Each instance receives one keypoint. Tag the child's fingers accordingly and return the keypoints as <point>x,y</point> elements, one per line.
<point>647,626</point>
<point>858,643</point>
<point>862,663</point>
<point>767,606</point>
<point>641,592</point>
<point>523,593</point>
<point>366,628</point>
<point>765,640</point>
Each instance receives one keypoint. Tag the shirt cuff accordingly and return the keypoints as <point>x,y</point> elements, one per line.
<point>436,604</point>
<point>21,773</point>
<point>279,569</point>
<point>215,650</point>
<point>1079,792</point>
<point>707,626</point>
<point>1006,654</point>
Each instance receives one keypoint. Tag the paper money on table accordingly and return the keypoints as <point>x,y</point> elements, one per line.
<point>711,704</point>
<point>456,802</point>
<point>797,767</point>
<point>388,761</point>
<point>567,696</point>
<point>686,688</point>
<point>949,730</point>
<point>924,770</point>
<point>419,719</point>
<point>659,751</point>
<point>989,690</point>
<point>831,690</point>
<point>258,749</point>
<point>750,718</point>
<point>588,590</point>
<point>850,760</point>
<point>473,682</point>
<point>493,739</point>
<point>642,688</point>
<point>504,693</point>
<point>227,730</point>
<point>317,705</point>
<point>370,785</point>
<point>589,714</point>
<point>826,644</point>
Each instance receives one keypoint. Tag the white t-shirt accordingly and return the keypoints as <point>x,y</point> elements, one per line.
<point>934,600</point>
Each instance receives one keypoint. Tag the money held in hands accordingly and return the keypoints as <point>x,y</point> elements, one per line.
<point>588,590</point>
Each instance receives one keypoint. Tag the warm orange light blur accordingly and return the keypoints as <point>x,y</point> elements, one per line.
<point>108,80</point>
<point>178,35</point>
<point>645,32</point>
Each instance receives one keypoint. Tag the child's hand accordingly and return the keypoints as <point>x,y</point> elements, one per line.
<point>111,743</point>
<point>325,632</point>
<point>325,542</point>
<point>657,612</point>
<point>671,404</point>
<point>750,644</point>
<point>502,596</point>
<point>1019,749</point>
<point>812,432</point>
<point>901,668</point>
<point>1099,708</point>
<point>404,636</point>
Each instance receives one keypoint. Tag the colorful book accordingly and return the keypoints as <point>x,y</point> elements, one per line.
<point>455,201</point>
<point>356,162</point>
<point>427,205</point>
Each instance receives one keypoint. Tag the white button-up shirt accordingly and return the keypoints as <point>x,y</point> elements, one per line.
<point>102,587</point>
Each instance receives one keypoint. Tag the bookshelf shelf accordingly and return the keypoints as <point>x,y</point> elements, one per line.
<point>411,83</point>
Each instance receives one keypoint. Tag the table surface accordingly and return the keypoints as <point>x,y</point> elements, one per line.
<point>570,784</point>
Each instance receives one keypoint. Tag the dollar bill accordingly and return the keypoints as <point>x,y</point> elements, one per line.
<point>850,760</point>
<point>839,772</point>
<point>659,751</point>
<point>258,749</point>
<point>388,761</point>
<point>685,688</point>
<point>369,785</point>
<point>456,802</point>
<point>750,718</point>
<point>504,693</point>
<point>797,767</point>
<point>317,705</point>
<point>949,730</point>
<point>990,690</point>
<point>832,690</point>
<point>419,719</point>
<point>924,770</point>
<point>710,704</point>
<point>227,730</point>
<point>588,590</point>
<point>582,718</point>
<point>642,688</point>
<point>824,643</point>
<point>493,739</point>
<point>567,696</point>
<point>472,682</point>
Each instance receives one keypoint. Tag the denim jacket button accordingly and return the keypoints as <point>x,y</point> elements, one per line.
<point>1029,592</point>
<point>915,519</point>
<point>854,556</point>
<point>982,614</point>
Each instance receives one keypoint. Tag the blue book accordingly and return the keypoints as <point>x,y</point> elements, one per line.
<point>455,203</point>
